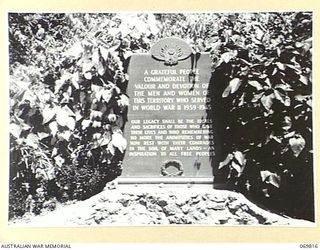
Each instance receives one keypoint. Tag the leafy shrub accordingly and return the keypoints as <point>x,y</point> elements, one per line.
<point>68,107</point>
<point>265,87</point>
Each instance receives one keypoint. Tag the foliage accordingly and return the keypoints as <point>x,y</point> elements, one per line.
<point>262,80</point>
<point>68,107</point>
<point>68,77</point>
<point>264,63</point>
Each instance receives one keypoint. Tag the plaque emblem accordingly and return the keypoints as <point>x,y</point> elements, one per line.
<point>171,50</point>
<point>171,55</point>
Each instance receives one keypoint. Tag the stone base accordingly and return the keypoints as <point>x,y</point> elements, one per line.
<point>153,205</point>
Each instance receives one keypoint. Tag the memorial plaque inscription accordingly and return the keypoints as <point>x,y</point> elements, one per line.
<point>167,121</point>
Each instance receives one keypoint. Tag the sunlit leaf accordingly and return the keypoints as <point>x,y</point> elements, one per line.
<point>255,84</point>
<point>227,56</point>
<point>107,94</point>
<point>257,97</point>
<point>42,135</point>
<point>75,79</point>
<point>62,118</point>
<point>237,167</point>
<point>76,50</point>
<point>233,86</point>
<point>119,141</point>
<point>65,135</point>
<point>53,127</point>
<point>59,161</point>
<point>309,103</point>
<point>88,75</point>
<point>285,87</point>
<point>239,157</point>
<point>288,135</point>
<point>96,124</point>
<point>267,101</point>
<point>15,130</point>
<point>95,58</point>
<point>287,123</point>
<point>281,66</point>
<point>29,96</point>
<point>270,178</point>
<point>259,33</point>
<point>265,175</point>
<point>226,161</point>
<point>297,144</point>
<point>278,96</point>
<point>70,123</point>
<point>303,79</point>
<point>32,140</point>
<point>111,148</point>
<point>85,124</point>
<point>95,114</point>
<point>106,138</point>
<point>48,113</point>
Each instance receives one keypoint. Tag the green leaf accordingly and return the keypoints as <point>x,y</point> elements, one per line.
<point>237,167</point>
<point>105,139</point>
<point>76,50</point>
<point>297,144</point>
<point>42,135</point>
<point>119,141</point>
<point>88,75</point>
<point>265,174</point>
<point>47,114</point>
<point>227,56</point>
<point>15,130</point>
<point>239,157</point>
<point>274,180</point>
<point>255,84</point>
<point>226,92</point>
<point>53,127</point>
<point>96,124</point>
<point>287,123</point>
<point>233,86</point>
<point>75,79</point>
<point>64,117</point>
<point>65,135</point>
<point>59,161</point>
<point>226,161</point>
<point>107,94</point>
<point>279,96</point>
<point>257,97</point>
<point>87,66</point>
<point>270,178</point>
<point>285,87</point>
<point>281,66</point>
<point>85,124</point>
<point>304,79</point>
<point>96,58</point>
<point>111,148</point>
<point>32,140</point>
<point>71,123</point>
<point>267,101</point>
<point>29,96</point>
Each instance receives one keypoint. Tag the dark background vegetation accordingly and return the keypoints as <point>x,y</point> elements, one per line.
<point>68,77</point>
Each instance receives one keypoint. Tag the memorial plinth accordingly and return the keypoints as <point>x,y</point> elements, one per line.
<point>168,131</point>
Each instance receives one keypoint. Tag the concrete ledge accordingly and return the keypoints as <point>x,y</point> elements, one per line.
<point>165,180</point>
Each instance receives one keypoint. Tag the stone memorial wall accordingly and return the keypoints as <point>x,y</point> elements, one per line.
<point>167,121</point>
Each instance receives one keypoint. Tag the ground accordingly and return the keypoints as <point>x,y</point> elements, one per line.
<point>159,205</point>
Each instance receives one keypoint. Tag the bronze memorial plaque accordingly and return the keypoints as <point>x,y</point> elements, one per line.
<point>168,131</point>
